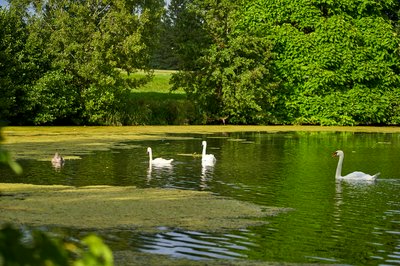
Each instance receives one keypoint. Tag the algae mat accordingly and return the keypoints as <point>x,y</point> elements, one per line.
<point>105,207</point>
<point>40,143</point>
<point>109,133</point>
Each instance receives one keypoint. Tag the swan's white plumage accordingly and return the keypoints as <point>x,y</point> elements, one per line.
<point>352,176</point>
<point>158,161</point>
<point>207,159</point>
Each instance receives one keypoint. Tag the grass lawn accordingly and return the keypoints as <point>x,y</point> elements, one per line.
<point>159,82</point>
<point>155,103</point>
<point>159,87</point>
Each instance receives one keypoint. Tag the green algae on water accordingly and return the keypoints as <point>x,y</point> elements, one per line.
<point>104,207</point>
<point>40,143</point>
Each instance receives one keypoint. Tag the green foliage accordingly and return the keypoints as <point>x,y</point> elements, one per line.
<point>96,253</point>
<point>5,158</point>
<point>155,104</point>
<point>338,61</point>
<point>157,108</point>
<point>34,247</point>
<point>12,38</point>
<point>72,57</point>
<point>53,97</point>
<point>39,250</point>
<point>313,62</point>
<point>91,42</point>
<point>164,54</point>
<point>187,36</point>
<point>232,81</point>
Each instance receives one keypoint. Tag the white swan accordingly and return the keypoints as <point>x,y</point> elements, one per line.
<point>351,176</point>
<point>207,159</point>
<point>160,162</point>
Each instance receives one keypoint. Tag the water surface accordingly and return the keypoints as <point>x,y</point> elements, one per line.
<point>330,222</point>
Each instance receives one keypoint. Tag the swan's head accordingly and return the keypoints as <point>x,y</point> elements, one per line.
<point>148,150</point>
<point>338,153</point>
<point>204,143</point>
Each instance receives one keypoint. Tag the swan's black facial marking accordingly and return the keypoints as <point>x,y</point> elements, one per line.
<point>334,154</point>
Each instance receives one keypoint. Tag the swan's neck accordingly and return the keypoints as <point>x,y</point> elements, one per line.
<point>150,157</point>
<point>339,167</point>
<point>204,150</point>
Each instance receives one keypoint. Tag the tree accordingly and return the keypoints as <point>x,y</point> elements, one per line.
<point>12,38</point>
<point>229,78</point>
<point>164,56</point>
<point>338,60</point>
<point>84,51</point>
<point>187,36</point>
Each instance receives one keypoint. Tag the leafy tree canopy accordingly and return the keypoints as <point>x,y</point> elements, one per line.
<point>258,61</point>
<point>338,60</point>
<point>12,39</point>
<point>80,49</point>
<point>229,77</point>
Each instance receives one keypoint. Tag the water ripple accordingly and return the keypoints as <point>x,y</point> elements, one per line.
<point>195,245</point>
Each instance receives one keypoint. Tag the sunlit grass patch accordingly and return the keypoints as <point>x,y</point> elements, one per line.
<point>154,103</point>
<point>159,82</point>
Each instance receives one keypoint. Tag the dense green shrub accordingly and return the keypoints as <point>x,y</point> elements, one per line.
<point>155,108</point>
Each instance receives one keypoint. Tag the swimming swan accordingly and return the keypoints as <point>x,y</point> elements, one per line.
<point>351,176</point>
<point>207,159</point>
<point>158,161</point>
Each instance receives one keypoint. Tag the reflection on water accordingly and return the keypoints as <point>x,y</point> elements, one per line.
<point>157,172</point>
<point>340,222</point>
<point>207,172</point>
<point>57,165</point>
<point>192,245</point>
<point>57,162</point>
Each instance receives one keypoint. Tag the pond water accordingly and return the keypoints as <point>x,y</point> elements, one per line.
<point>330,221</point>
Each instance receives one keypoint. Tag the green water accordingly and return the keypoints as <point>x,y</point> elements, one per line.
<point>329,222</point>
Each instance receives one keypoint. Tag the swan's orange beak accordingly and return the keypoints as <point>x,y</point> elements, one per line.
<point>334,154</point>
